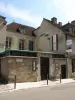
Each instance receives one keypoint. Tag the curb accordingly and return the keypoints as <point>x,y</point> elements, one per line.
<point>57,84</point>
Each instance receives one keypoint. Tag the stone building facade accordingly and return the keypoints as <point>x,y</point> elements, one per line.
<point>17,53</point>
<point>35,54</point>
<point>59,64</point>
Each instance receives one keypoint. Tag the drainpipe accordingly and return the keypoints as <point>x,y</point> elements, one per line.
<point>49,43</point>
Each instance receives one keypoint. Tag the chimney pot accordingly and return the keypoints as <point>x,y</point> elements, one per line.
<point>54,20</point>
<point>60,24</point>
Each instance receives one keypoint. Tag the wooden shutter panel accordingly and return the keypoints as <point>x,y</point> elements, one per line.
<point>52,43</point>
<point>56,41</point>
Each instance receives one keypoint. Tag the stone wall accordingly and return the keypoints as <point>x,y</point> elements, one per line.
<point>57,64</point>
<point>4,68</point>
<point>22,68</point>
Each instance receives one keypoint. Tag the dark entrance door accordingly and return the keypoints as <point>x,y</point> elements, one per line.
<point>44,67</point>
<point>0,68</point>
<point>63,71</point>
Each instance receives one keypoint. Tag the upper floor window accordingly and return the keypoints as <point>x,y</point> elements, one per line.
<point>8,42</point>
<point>31,45</point>
<point>21,44</point>
<point>54,42</point>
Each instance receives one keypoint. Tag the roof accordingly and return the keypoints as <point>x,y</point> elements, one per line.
<point>2,16</point>
<point>13,27</point>
<point>68,33</point>
<point>67,26</point>
<point>36,29</point>
<point>53,23</point>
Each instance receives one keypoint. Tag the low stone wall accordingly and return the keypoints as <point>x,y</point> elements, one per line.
<point>22,68</point>
<point>58,65</point>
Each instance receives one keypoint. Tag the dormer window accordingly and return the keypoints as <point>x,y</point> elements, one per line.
<point>21,29</point>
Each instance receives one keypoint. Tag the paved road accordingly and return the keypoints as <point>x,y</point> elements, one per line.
<point>62,92</point>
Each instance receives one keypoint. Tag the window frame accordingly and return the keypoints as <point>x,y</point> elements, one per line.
<point>22,30</point>
<point>31,45</point>
<point>55,42</point>
<point>8,42</point>
<point>21,44</point>
<point>73,66</point>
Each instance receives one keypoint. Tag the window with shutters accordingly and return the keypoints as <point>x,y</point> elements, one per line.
<point>21,44</point>
<point>31,45</point>
<point>54,42</point>
<point>8,42</point>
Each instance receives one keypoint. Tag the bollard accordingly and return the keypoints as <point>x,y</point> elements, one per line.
<point>47,79</point>
<point>15,82</point>
<point>60,78</point>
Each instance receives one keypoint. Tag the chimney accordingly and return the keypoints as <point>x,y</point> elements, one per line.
<point>60,24</point>
<point>54,20</point>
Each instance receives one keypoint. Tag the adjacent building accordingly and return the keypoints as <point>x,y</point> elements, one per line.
<point>52,39</point>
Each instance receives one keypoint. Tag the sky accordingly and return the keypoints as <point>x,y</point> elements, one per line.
<point>32,12</point>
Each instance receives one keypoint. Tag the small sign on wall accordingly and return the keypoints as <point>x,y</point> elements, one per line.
<point>19,60</point>
<point>10,61</point>
<point>69,46</point>
<point>33,65</point>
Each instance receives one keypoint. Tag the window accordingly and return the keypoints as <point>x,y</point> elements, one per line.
<point>31,45</point>
<point>73,65</point>
<point>8,42</point>
<point>21,44</point>
<point>72,30</point>
<point>22,29</point>
<point>54,42</point>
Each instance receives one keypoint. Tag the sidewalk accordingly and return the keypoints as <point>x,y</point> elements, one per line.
<point>26,85</point>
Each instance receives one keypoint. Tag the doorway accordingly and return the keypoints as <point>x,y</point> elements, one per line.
<point>63,71</point>
<point>0,68</point>
<point>44,62</point>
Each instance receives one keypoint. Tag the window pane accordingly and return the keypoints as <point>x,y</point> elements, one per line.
<point>54,38</point>
<point>21,44</point>
<point>54,46</point>
<point>8,42</point>
<point>73,65</point>
<point>22,29</point>
<point>31,45</point>
<point>55,42</point>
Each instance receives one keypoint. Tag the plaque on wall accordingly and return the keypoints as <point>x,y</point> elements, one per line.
<point>19,60</point>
